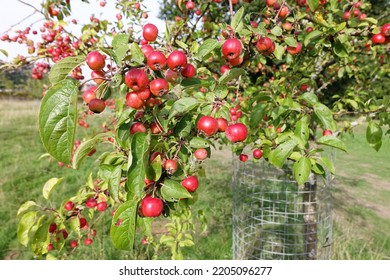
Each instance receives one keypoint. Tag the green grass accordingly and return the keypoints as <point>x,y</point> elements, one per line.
<point>361,192</point>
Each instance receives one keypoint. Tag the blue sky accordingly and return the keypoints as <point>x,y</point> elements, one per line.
<point>13,12</point>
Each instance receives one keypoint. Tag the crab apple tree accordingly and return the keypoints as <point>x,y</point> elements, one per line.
<point>259,76</point>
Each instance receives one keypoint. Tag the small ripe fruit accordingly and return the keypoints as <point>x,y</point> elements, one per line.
<point>155,128</point>
<point>257,153</point>
<point>69,205</point>
<point>243,157</point>
<point>222,124</point>
<point>101,206</point>
<point>231,48</point>
<point>201,154</point>
<point>90,202</point>
<point>97,76</point>
<point>50,247</point>
<point>295,50</point>
<point>73,243</point>
<point>378,39</point>
<point>189,71</point>
<point>156,61</point>
<point>97,105</point>
<point>147,50</point>
<point>137,127</point>
<point>236,132</point>
<point>190,5</point>
<point>208,125</point>
<point>83,223</point>
<point>136,79</point>
<point>95,60</point>
<point>347,15</point>
<point>89,94</point>
<point>150,32</point>
<point>190,183</point>
<point>265,45</point>
<point>283,12</point>
<point>177,61</point>
<point>151,206</point>
<point>133,101</point>
<point>52,228</point>
<point>88,241</point>
<point>385,30</point>
<point>327,132</point>
<point>159,87</point>
<point>170,165</point>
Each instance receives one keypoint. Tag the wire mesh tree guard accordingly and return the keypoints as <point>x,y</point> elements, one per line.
<point>275,219</point>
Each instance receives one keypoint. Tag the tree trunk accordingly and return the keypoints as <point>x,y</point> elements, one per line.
<point>310,218</point>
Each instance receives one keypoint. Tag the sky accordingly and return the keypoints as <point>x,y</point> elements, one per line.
<point>14,11</point>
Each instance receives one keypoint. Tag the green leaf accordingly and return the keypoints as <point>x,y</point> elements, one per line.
<point>49,185</point>
<point>374,135</point>
<point>206,48</point>
<point>324,114</point>
<point>198,142</point>
<point>57,119</point>
<point>123,226</point>
<point>183,105</point>
<point>86,147</point>
<point>136,53</point>
<point>237,18</point>
<point>302,130</point>
<point>279,51</point>
<point>290,41</point>
<point>184,126</point>
<point>173,190</point>
<point>61,69</point>
<point>182,45</point>
<point>25,206</point>
<point>332,141</point>
<point>156,168</point>
<point>120,46</point>
<point>257,115</point>
<point>327,164</point>
<point>4,52</point>
<point>137,172</point>
<point>114,182</point>
<point>75,225</point>
<point>230,75</point>
<point>310,98</point>
<point>24,226</point>
<point>312,35</point>
<point>301,170</point>
<point>277,31</point>
<point>278,156</point>
<point>340,49</point>
<point>313,4</point>
<point>41,237</point>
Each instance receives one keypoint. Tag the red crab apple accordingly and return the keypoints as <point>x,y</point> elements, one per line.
<point>190,183</point>
<point>133,100</point>
<point>73,243</point>
<point>208,125</point>
<point>327,132</point>
<point>222,124</point>
<point>96,105</point>
<point>170,165</point>
<point>150,32</point>
<point>101,206</point>
<point>136,79</point>
<point>243,157</point>
<point>69,205</point>
<point>90,202</point>
<point>88,241</point>
<point>189,71</point>
<point>378,39</point>
<point>89,94</point>
<point>156,61</point>
<point>385,30</point>
<point>98,76</point>
<point>177,61</point>
<point>200,154</point>
<point>257,153</point>
<point>137,127</point>
<point>231,48</point>
<point>159,87</point>
<point>236,132</point>
<point>95,60</point>
<point>151,206</point>
<point>295,50</point>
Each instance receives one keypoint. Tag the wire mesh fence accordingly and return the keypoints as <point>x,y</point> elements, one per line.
<point>275,219</point>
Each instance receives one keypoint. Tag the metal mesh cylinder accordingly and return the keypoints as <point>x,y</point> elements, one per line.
<point>275,219</point>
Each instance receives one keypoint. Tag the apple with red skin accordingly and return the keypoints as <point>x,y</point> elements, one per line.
<point>133,101</point>
<point>154,155</point>
<point>159,87</point>
<point>236,132</point>
<point>97,105</point>
<point>101,206</point>
<point>95,60</point>
<point>190,5</point>
<point>83,223</point>
<point>385,30</point>
<point>378,39</point>
<point>90,202</point>
<point>243,157</point>
<point>201,154</point>
<point>143,94</point>
<point>98,76</point>
<point>150,32</point>
<point>283,12</point>
<point>294,50</point>
<point>88,241</point>
<point>50,247</point>
<point>170,165</point>
<point>257,153</point>
<point>147,50</point>
<point>222,124</point>
<point>224,68</point>
<point>270,3</point>
<point>191,183</point>
<point>265,45</point>
<point>73,243</point>
<point>89,94</point>
<point>137,127</point>
<point>52,227</point>
<point>171,76</point>
<point>156,60</point>
<point>347,15</point>
<point>69,206</point>
<point>231,48</point>
<point>327,132</point>
<point>155,128</point>
<point>189,71</point>
<point>177,61</point>
<point>208,125</point>
<point>136,79</point>
<point>151,206</point>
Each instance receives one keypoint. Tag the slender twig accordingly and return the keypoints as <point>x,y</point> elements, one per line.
<point>21,21</point>
<point>231,10</point>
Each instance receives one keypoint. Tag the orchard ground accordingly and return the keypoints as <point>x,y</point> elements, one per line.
<point>361,194</point>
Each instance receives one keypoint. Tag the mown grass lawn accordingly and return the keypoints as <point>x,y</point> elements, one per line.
<point>361,192</point>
